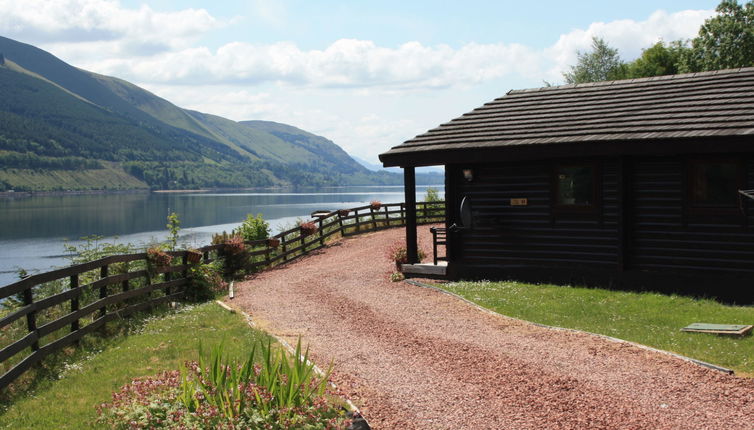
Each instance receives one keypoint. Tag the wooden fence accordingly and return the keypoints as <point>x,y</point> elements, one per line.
<point>94,293</point>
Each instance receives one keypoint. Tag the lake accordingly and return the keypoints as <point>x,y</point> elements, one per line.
<point>33,230</point>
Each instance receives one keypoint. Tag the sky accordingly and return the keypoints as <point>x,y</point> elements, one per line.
<point>366,74</point>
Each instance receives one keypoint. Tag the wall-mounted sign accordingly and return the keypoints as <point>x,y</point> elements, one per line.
<point>519,202</point>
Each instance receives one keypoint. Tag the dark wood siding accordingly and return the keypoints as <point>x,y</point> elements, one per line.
<point>535,234</point>
<point>662,245</point>
<point>670,236</point>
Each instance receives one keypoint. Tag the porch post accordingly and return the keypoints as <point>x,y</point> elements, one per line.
<point>409,186</point>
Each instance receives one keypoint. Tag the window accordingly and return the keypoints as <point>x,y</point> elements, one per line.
<point>575,186</point>
<point>714,184</point>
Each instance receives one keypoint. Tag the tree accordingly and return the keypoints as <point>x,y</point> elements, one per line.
<point>658,60</point>
<point>725,41</point>
<point>601,64</point>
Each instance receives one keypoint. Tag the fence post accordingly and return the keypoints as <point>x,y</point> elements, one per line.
<point>74,302</point>
<point>340,224</point>
<point>103,273</point>
<point>124,284</point>
<point>403,214</point>
<point>185,273</point>
<point>387,216</point>
<point>31,317</point>
<point>321,233</point>
<point>358,221</point>
<point>374,218</point>
<point>285,247</point>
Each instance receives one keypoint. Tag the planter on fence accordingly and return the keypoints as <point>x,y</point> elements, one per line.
<point>375,205</point>
<point>233,245</point>
<point>193,256</point>
<point>159,258</point>
<point>344,212</point>
<point>308,229</point>
<point>273,242</point>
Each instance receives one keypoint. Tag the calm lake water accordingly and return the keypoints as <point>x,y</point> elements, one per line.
<point>33,230</point>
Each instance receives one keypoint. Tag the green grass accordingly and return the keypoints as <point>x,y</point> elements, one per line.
<point>162,343</point>
<point>647,318</point>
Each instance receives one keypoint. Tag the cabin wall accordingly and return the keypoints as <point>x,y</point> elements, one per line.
<point>643,233</point>
<point>669,236</point>
<point>535,234</point>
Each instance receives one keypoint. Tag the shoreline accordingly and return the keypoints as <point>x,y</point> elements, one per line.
<point>19,194</point>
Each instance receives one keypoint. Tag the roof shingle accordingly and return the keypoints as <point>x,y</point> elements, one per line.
<point>718,103</point>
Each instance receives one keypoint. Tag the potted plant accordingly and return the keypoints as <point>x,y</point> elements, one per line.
<point>158,258</point>
<point>375,205</point>
<point>193,256</point>
<point>308,228</point>
<point>234,245</point>
<point>273,242</point>
<point>344,212</point>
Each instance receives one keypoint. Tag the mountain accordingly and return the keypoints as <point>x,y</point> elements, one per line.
<point>66,128</point>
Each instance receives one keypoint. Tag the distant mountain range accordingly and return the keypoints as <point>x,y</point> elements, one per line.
<point>64,128</point>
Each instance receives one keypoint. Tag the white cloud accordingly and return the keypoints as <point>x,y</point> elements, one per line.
<point>353,63</point>
<point>104,22</point>
<point>345,63</point>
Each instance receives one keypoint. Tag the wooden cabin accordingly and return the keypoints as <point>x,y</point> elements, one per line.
<point>630,183</point>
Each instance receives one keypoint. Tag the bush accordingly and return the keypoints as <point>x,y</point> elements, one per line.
<point>398,254</point>
<point>281,393</point>
<point>205,281</point>
<point>253,228</point>
<point>397,277</point>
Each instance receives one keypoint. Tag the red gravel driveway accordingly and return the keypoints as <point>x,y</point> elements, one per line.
<point>414,358</point>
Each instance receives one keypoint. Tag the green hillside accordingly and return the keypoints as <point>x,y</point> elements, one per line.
<point>66,128</point>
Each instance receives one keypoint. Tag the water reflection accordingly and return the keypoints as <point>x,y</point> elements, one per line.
<point>34,229</point>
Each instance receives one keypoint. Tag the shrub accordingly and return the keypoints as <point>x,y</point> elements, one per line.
<point>281,393</point>
<point>398,254</point>
<point>344,212</point>
<point>273,242</point>
<point>397,277</point>
<point>253,228</point>
<point>205,281</point>
<point>375,205</point>
<point>174,227</point>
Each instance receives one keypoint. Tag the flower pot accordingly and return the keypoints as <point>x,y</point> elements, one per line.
<point>193,257</point>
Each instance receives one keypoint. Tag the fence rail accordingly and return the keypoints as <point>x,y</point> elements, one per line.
<point>119,285</point>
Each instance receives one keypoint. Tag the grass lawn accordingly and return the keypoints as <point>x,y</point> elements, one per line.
<point>161,343</point>
<point>647,318</point>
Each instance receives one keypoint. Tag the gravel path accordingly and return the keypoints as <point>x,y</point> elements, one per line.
<point>414,358</point>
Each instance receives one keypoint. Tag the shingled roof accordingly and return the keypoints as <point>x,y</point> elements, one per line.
<point>719,103</point>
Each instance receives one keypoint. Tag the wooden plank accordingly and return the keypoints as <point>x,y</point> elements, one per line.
<point>17,314</point>
<point>18,346</point>
<point>731,329</point>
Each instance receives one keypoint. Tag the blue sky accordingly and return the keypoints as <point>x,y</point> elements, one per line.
<point>367,75</point>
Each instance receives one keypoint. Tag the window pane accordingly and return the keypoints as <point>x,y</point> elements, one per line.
<point>575,185</point>
<point>714,184</point>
